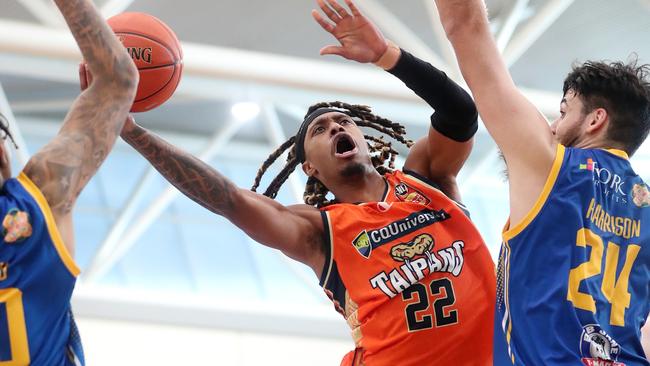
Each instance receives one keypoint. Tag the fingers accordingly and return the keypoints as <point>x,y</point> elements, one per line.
<point>323,23</point>
<point>338,8</point>
<point>329,12</point>
<point>353,8</point>
<point>332,50</point>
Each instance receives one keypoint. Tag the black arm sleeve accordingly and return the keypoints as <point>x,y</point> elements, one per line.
<point>455,113</point>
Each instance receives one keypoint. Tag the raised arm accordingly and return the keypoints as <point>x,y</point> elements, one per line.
<point>519,129</point>
<point>439,155</point>
<point>295,230</point>
<point>64,166</point>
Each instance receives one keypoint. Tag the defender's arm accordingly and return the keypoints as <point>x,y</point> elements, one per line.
<point>64,166</point>
<point>519,129</point>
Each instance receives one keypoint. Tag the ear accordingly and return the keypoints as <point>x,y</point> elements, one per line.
<point>598,120</point>
<point>309,169</point>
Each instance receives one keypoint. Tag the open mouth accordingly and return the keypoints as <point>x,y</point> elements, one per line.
<point>345,146</point>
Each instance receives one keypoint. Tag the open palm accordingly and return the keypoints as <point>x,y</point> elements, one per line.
<point>360,40</point>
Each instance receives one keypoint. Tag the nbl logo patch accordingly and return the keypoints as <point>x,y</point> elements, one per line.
<point>406,193</point>
<point>598,348</point>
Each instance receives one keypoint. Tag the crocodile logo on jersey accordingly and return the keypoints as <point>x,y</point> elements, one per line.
<point>406,193</point>
<point>16,226</point>
<point>641,195</point>
<point>419,261</point>
<point>367,240</point>
<point>598,348</point>
<point>4,268</point>
<point>420,246</point>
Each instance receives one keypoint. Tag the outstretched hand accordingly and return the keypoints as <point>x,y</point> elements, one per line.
<point>360,40</point>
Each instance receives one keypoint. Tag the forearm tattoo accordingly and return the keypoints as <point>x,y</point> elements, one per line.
<point>196,179</point>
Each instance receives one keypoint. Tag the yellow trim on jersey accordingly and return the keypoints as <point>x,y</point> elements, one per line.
<point>52,229</point>
<point>541,199</point>
<point>619,153</point>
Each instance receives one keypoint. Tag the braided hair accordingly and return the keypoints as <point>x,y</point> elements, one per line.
<point>380,150</point>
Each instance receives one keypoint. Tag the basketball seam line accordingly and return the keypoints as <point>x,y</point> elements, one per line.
<point>161,88</point>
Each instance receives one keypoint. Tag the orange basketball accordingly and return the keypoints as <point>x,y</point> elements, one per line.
<point>157,53</point>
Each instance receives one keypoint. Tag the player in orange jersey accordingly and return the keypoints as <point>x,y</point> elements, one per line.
<point>394,249</point>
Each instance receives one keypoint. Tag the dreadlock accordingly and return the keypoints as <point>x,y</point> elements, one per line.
<point>315,191</point>
<point>4,127</point>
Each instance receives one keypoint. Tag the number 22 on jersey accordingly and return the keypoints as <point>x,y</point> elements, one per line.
<point>444,315</point>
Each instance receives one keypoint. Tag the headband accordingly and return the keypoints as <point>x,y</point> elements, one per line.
<point>302,131</point>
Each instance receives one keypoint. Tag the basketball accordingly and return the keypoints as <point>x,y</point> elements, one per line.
<point>157,54</point>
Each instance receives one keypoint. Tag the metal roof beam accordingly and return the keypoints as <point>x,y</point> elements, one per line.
<point>112,251</point>
<point>514,16</point>
<point>446,49</point>
<point>534,29</point>
<point>399,32</point>
<point>45,12</point>
<point>205,65</point>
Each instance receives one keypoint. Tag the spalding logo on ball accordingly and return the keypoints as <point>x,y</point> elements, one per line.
<point>157,54</point>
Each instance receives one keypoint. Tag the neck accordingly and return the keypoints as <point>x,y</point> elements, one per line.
<point>366,187</point>
<point>598,143</point>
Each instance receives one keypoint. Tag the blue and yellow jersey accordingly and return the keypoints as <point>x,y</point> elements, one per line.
<point>37,276</point>
<point>573,283</point>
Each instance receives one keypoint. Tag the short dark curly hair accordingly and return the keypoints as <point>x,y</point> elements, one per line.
<point>623,90</point>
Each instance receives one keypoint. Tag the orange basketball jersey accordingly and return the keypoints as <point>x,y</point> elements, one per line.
<point>412,277</point>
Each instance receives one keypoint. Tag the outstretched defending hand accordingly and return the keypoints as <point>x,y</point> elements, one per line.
<point>360,39</point>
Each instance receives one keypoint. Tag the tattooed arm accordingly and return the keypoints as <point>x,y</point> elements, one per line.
<point>295,230</point>
<point>64,166</point>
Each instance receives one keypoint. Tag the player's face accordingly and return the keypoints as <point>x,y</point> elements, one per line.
<point>569,128</point>
<point>335,147</point>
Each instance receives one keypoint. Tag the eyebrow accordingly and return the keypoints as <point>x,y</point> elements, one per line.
<point>319,121</point>
<point>314,125</point>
